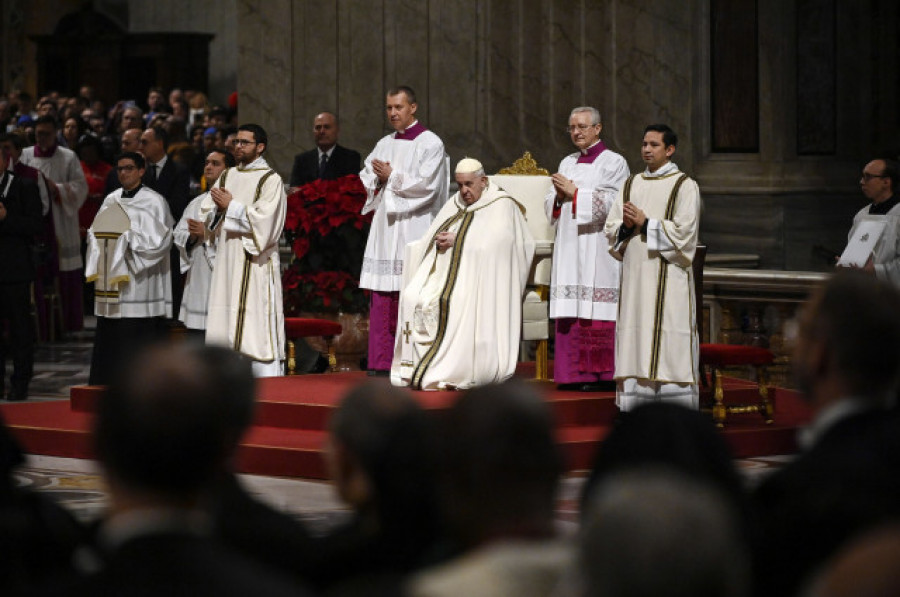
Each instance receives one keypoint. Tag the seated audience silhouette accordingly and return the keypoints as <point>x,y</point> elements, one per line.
<point>159,437</point>
<point>381,460</point>
<point>656,532</point>
<point>499,474</point>
<point>847,479</point>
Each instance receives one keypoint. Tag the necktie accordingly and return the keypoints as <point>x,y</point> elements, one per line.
<point>322,164</point>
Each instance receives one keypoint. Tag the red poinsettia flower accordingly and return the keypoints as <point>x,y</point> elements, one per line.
<point>300,246</point>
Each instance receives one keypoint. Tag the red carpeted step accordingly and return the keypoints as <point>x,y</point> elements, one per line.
<point>280,452</point>
<point>50,428</point>
<point>307,401</point>
<point>290,429</point>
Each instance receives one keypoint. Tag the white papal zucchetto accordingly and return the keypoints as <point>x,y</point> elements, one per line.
<point>468,165</point>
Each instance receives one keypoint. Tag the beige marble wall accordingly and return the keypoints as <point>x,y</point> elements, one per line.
<point>494,77</point>
<point>198,16</point>
<point>498,77</point>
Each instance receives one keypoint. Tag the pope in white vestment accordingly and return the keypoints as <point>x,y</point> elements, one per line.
<point>407,180</point>
<point>657,348</point>
<point>460,312</point>
<point>245,301</point>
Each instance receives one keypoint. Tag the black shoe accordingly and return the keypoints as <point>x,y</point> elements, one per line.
<point>378,373</point>
<point>569,387</point>
<point>321,365</point>
<point>19,395</point>
<point>594,386</point>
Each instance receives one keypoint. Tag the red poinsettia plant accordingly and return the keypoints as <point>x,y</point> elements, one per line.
<point>328,237</point>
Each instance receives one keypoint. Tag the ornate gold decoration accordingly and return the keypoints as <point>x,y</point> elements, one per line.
<point>525,165</point>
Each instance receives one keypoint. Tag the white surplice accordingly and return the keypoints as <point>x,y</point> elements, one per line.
<point>585,277</point>
<point>64,169</point>
<point>404,207</point>
<point>139,266</point>
<point>886,255</point>
<point>460,311</point>
<point>245,301</point>
<point>657,350</point>
<point>196,262</point>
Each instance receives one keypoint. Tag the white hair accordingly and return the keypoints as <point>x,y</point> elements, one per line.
<point>595,113</point>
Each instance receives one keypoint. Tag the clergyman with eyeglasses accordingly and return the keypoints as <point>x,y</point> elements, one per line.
<point>128,261</point>
<point>879,182</point>
<point>584,286</point>
<point>245,212</point>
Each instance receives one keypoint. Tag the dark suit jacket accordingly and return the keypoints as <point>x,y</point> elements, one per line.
<point>847,483</point>
<point>259,532</point>
<point>17,231</point>
<point>112,181</point>
<point>173,183</point>
<point>176,564</point>
<point>306,165</point>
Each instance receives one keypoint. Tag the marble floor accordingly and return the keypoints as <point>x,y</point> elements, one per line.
<point>78,486</point>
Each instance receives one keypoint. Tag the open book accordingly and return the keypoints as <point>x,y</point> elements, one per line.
<point>862,242</point>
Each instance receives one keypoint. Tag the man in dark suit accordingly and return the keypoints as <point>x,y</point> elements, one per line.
<point>163,442</point>
<point>241,521</point>
<point>20,222</point>
<point>847,480</point>
<point>171,180</point>
<point>130,141</point>
<point>329,160</point>
<point>167,177</point>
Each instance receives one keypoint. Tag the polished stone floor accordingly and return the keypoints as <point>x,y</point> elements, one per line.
<point>77,484</point>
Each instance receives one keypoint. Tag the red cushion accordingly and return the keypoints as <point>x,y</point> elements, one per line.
<point>734,354</point>
<point>301,327</point>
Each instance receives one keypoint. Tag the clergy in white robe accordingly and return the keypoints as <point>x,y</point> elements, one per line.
<point>878,186</point>
<point>407,180</point>
<point>64,190</point>
<point>460,312</point>
<point>196,259</point>
<point>653,227</point>
<point>130,269</point>
<point>245,209</point>
<point>197,249</point>
<point>584,285</point>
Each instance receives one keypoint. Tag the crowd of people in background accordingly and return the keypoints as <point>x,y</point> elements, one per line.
<point>94,130</point>
<point>67,147</point>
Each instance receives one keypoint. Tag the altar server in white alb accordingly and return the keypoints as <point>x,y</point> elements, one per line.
<point>584,286</point>
<point>245,210</point>
<point>128,261</point>
<point>461,308</point>
<point>197,250</point>
<point>653,227</point>
<point>407,180</point>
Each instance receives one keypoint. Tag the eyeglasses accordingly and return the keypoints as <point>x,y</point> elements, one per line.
<point>126,168</point>
<point>867,176</point>
<point>242,142</point>
<point>579,127</point>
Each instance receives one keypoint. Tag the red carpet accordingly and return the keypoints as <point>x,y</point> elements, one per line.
<point>292,417</point>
